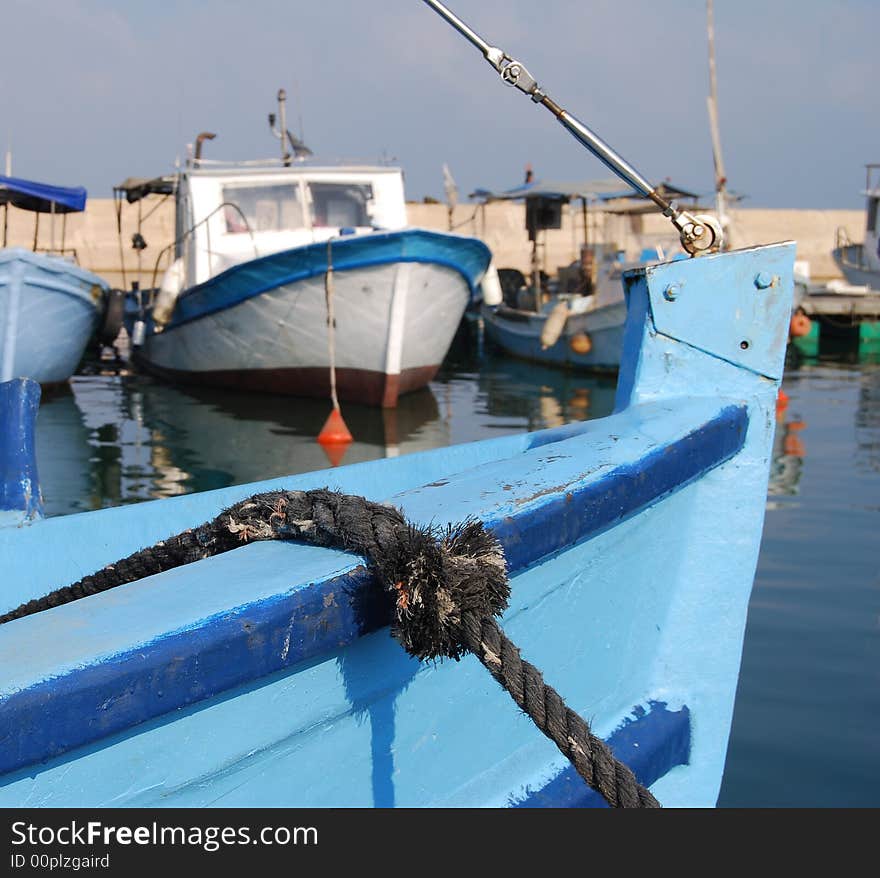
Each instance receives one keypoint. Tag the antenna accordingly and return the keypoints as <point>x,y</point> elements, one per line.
<point>300,150</point>
<point>299,118</point>
<point>451,189</point>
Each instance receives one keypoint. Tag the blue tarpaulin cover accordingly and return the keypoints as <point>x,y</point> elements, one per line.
<point>593,189</point>
<point>596,190</point>
<point>40,197</point>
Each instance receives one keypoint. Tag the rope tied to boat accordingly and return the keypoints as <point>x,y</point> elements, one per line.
<point>447,587</point>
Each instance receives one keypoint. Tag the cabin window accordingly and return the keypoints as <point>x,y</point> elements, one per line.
<point>338,205</point>
<point>872,214</point>
<point>272,208</point>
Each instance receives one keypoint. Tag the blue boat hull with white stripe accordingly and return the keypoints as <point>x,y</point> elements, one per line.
<point>266,676</point>
<point>49,309</point>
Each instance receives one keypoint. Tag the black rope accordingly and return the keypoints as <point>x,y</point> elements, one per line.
<point>447,589</point>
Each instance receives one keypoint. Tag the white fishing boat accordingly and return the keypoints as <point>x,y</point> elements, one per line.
<point>287,274</point>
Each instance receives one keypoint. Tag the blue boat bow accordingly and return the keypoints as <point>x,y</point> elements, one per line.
<point>265,676</point>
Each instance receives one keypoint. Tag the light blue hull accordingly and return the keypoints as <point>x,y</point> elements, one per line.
<point>267,677</point>
<point>49,309</point>
<point>518,333</point>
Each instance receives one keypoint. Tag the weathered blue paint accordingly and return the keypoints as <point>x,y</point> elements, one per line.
<point>468,256</point>
<point>651,744</point>
<point>49,308</point>
<point>748,330</point>
<point>78,700</point>
<point>618,606</point>
<point>19,483</point>
<point>580,514</point>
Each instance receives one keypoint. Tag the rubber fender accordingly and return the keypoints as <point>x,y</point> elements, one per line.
<point>800,325</point>
<point>111,319</point>
<point>554,324</point>
<point>172,283</point>
<point>491,286</point>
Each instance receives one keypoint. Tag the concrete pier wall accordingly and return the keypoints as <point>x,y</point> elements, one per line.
<point>93,234</point>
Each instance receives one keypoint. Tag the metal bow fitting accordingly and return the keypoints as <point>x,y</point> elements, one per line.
<point>699,233</point>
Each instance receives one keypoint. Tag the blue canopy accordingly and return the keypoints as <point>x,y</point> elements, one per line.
<point>593,189</point>
<point>40,197</point>
<point>597,190</point>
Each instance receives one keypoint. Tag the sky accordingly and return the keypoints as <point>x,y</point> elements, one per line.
<point>94,91</point>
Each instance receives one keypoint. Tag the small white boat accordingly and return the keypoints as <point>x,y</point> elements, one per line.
<point>285,271</point>
<point>49,306</point>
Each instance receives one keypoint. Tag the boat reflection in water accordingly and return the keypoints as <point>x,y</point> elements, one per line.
<point>111,440</point>
<point>868,422</point>
<point>65,453</point>
<point>543,396</point>
<point>117,438</point>
<point>498,392</point>
<point>787,462</point>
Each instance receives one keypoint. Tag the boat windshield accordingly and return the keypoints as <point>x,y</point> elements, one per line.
<point>266,208</point>
<point>340,205</point>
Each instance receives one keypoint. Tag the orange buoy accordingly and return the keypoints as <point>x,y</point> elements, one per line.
<point>800,325</point>
<point>334,453</point>
<point>580,343</point>
<point>781,401</point>
<point>793,446</point>
<point>334,431</point>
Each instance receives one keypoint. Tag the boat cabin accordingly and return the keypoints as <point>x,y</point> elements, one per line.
<point>226,214</point>
<point>231,214</point>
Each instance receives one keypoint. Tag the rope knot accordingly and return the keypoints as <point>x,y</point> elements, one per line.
<point>438,581</point>
<point>436,578</point>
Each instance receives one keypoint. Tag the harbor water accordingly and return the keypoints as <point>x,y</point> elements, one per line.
<point>805,722</point>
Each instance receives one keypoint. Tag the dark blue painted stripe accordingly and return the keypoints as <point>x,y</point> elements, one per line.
<point>181,669</point>
<point>651,745</point>
<point>19,483</point>
<point>89,703</point>
<point>468,256</point>
<point>566,520</point>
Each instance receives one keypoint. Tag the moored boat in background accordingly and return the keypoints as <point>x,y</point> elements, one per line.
<point>50,307</point>
<point>266,252</point>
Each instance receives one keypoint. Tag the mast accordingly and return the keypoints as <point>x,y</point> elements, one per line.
<point>6,205</point>
<point>712,102</point>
